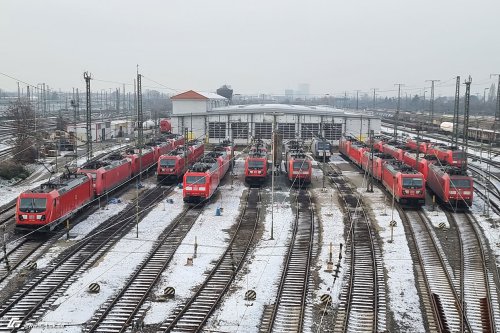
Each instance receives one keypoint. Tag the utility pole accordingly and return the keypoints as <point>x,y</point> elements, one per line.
<point>456,114</point>
<point>396,116</point>
<point>374,97</point>
<point>466,118</point>
<point>370,173</point>
<point>345,99</point>
<point>432,99</point>
<point>273,149</point>
<point>87,78</point>
<point>357,99</point>
<point>497,112</point>
<point>140,132</point>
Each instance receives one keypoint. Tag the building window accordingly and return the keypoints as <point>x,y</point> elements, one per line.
<point>288,130</point>
<point>309,130</point>
<point>217,130</point>
<point>263,130</point>
<point>332,131</point>
<point>239,130</point>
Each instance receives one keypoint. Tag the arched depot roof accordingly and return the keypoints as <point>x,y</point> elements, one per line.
<point>319,110</point>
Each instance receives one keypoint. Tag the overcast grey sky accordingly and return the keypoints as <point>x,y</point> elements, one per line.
<point>257,46</point>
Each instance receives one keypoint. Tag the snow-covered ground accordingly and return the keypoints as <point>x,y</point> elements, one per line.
<point>261,273</point>
<point>332,232</point>
<point>210,232</point>
<point>77,306</point>
<point>403,299</point>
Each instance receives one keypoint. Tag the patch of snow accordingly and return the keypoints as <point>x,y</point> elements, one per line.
<point>262,274</point>
<point>77,306</point>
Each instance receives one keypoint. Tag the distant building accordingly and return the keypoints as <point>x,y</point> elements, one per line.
<point>303,90</point>
<point>242,122</point>
<point>194,102</point>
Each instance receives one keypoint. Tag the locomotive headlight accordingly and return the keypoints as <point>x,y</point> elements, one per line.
<point>189,188</point>
<point>406,192</point>
<point>418,192</point>
<point>453,192</point>
<point>260,172</point>
<point>466,192</point>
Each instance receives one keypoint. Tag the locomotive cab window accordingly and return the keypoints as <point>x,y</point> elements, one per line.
<point>195,180</point>
<point>167,163</point>
<point>412,182</point>
<point>460,183</point>
<point>255,164</point>
<point>300,165</point>
<point>32,205</point>
<point>323,146</point>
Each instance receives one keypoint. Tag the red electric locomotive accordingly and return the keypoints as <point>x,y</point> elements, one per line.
<point>107,172</point>
<point>452,185</point>
<point>203,178</point>
<point>297,165</point>
<point>374,168</point>
<point>394,149</point>
<point>141,162</point>
<point>406,184</point>
<point>450,155</point>
<point>356,152</point>
<point>172,167</point>
<point>256,166</point>
<point>53,202</point>
<point>165,126</point>
<point>423,145</point>
<point>345,144</point>
<point>423,164</point>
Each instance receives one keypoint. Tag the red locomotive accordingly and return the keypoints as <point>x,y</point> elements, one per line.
<point>394,149</point>
<point>297,165</point>
<point>256,164</point>
<point>450,155</point>
<point>53,202</point>
<point>452,185</point>
<point>374,168</point>
<point>171,167</point>
<point>423,145</point>
<point>356,152</point>
<point>203,178</point>
<point>107,172</point>
<point>165,126</point>
<point>345,144</point>
<point>58,200</point>
<point>423,164</point>
<point>406,184</point>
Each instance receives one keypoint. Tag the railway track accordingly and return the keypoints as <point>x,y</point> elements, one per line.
<point>192,316</point>
<point>478,289</point>
<point>363,304</point>
<point>35,297</point>
<point>438,292</point>
<point>287,313</point>
<point>7,214</point>
<point>118,312</point>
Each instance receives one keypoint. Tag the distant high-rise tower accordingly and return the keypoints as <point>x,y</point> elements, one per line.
<point>303,90</point>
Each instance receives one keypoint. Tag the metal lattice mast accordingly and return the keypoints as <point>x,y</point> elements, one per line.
<point>456,116</point>
<point>87,78</point>
<point>396,116</point>
<point>497,111</point>
<point>432,100</point>
<point>140,131</point>
<point>466,115</point>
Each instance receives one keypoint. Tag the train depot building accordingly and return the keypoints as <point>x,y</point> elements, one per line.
<point>209,116</point>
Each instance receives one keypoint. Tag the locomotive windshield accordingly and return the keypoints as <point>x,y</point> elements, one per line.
<point>458,155</point>
<point>300,165</point>
<point>412,182</point>
<point>167,163</point>
<point>32,205</point>
<point>323,145</point>
<point>255,164</point>
<point>460,183</point>
<point>197,180</point>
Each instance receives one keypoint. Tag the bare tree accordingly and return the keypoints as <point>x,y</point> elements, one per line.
<point>23,117</point>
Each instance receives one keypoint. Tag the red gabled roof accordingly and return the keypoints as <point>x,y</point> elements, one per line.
<point>191,94</point>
